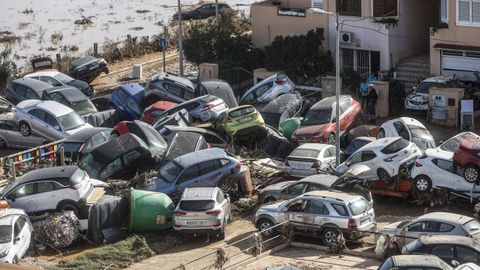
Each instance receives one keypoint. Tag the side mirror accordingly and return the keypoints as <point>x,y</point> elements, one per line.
<point>57,127</point>
<point>455,263</point>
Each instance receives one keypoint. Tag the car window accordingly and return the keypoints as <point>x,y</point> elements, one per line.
<point>359,206</point>
<point>122,96</point>
<point>190,173</point>
<point>212,138</point>
<point>329,152</point>
<point>395,146</point>
<point>296,206</point>
<point>187,95</point>
<point>133,106</point>
<point>57,97</point>
<point>22,191</point>
<point>401,130</point>
<point>220,196</point>
<point>49,119</point>
<point>341,209</point>
<point>196,205</point>
<point>173,89</point>
<point>131,157</point>
<point>312,187</point>
<point>250,97</point>
<point>466,255</point>
<point>368,155</point>
<point>417,227</point>
<point>111,168</point>
<point>225,161</point>
<point>45,187</point>
<point>20,89</point>
<point>296,189</point>
<point>18,226</point>
<point>37,113</point>
<point>262,89</point>
<point>316,207</point>
<point>355,158</point>
<point>446,165</point>
<point>443,251</point>
<point>191,106</point>
<point>95,141</point>
<point>29,94</point>
<point>445,227</point>
<point>50,81</point>
<point>209,166</point>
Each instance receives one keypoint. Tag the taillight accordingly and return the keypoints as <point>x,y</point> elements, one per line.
<point>180,213</point>
<point>317,164</point>
<point>280,82</point>
<point>214,212</point>
<point>417,164</point>
<point>352,224</point>
<point>208,107</point>
<point>238,166</point>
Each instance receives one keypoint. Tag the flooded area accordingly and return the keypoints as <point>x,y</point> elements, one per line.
<point>48,27</point>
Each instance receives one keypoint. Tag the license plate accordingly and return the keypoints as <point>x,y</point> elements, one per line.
<point>246,119</point>
<point>195,223</point>
<point>301,165</point>
<point>94,67</point>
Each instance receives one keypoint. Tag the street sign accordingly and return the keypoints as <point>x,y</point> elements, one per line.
<point>163,43</point>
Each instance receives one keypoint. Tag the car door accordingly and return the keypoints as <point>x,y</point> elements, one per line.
<point>47,195</point>
<point>188,178</point>
<point>445,252</point>
<point>293,191</point>
<point>442,174</point>
<point>20,197</point>
<point>316,214</point>
<point>36,122</point>
<point>10,133</point>
<point>21,234</point>
<point>294,213</point>
<point>210,173</point>
<point>52,126</point>
<point>401,130</point>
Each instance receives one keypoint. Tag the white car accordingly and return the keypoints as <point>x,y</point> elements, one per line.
<point>268,89</point>
<point>454,142</point>
<point>57,78</point>
<point>417,100</point>
<point>48,119</point>
<point>309,159</point>
<point>386,157</point>
<point>408,128</point>
<point>15,234</point>
<point>436,169</point>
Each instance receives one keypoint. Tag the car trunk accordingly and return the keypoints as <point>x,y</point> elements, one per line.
<point>364,219</point>
<point>196,213</point>
<point>301,163</point>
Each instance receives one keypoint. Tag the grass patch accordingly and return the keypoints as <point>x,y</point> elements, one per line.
<point>119,255</point>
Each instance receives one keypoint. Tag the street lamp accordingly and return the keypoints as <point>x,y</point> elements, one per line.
<point>180,39</point>
<point>337,81</point>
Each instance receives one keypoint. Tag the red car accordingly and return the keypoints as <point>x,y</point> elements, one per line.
<point>318,126</point>
<point>154,110</point>
<point>467,156</point>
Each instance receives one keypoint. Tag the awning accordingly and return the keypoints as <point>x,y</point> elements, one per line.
<point>459,47</point>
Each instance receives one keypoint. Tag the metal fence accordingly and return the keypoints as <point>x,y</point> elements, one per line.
<point>239,78</point>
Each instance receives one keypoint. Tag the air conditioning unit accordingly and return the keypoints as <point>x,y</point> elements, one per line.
<point>346,37</point>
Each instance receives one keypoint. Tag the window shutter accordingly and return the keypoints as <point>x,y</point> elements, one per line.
<point>317,4</point>
<point>444,10</point>
<point>464,11</point>
<point>476,12</point>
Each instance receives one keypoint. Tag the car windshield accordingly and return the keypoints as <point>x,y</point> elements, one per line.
<point>317,117</point>
<point>472,227</point>
<point>79,176</point>
<point>5,234</point>
<point>83,107</point>
<point>71,121</point>
<point>195,205</point>
<point>424,87</point>
<point>359,206</point>
<point>69,147</point>
<point>309,153</point>
<point>243,111</point>
<point>453,144</point>
<point>64,78</point>
<point>91,165</point>
<point>170,171</point>
<point>271,119</point>
<point>422,137</point>
<point>395,146</point>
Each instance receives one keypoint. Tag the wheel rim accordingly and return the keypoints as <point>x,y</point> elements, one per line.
<point>331,237</point>
<point>24,130</point>
<point>225,188</point>
<point>331,138</point>
<point>383,175</point>
<point>471,174</point>
<point>422,184</point>
<point>264,228</point>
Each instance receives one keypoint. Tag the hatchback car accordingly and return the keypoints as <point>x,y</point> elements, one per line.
<point>201,11</point>
<point>57,78</point>
<point>467,156</point>
<point>436,223</point>
<point>387,158</point>
<point>212,138</point>
<point>319,124</point>
<point>218,88</point>
<point>454,142</point>
<point>268,89</point>
<point>10,137</point>
<point>309,159</point>
<point>321,213</point>
<point>202,210</point>
<point>87,68</point>
<point>414,262</point>
<point>128,100</point>
<point>183,143</point>
<point>418,99</point>
<point>71,97</point>
<point>356,144</point>
<point>205,168</point>
<point>454,250</point>
<point>82,142</point>
<point>169,87</point>
<point>153,111</point>
<point>23,89</point>
<point>48,119</point>
<point>410,129</point>
<point>243,120</point>
<point>282,108</point>
<point>15,234</point>
<point>67,188</point>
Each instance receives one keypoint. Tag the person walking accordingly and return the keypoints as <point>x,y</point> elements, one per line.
<point>371,103</point>
<point>363,93</point>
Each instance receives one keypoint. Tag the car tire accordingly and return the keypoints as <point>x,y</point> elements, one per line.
<point>329,236</point>
<point>422,183</point>
<point>384,176</point>
<point>15,260</point>
<point>331,138</point>
<point>25,129</point>
<point>263,225</point>
<point>68,206</point>
<point>471,173</point>
<point>381,133</point>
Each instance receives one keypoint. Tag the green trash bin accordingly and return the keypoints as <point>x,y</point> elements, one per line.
<point>150,211</point>
<point>289,127</point>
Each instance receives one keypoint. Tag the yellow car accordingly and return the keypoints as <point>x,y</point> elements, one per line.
<point>239,121</point>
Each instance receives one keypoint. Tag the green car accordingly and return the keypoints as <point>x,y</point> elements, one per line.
<point>240,121</point>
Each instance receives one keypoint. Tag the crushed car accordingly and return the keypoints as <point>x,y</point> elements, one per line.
<point>87,68</point>
<point>128,100</point>
<point>268,89</point>
<point>81,143</point>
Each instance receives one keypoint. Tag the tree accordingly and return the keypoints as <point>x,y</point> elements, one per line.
<point>8,68</point>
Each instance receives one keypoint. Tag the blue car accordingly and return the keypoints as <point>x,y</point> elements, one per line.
<point>128,101</point>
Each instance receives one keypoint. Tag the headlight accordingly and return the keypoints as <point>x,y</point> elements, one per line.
<point>4,253</point>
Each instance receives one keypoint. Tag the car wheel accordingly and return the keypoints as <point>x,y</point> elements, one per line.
<point>68,207</point>
<point>265,225</point>
<point>25,129</point>
<point>269,200</point>
<point>471,173</point>
<point>330,236</point>
<point>381,133</point>
<point>15,260</point>
<point>228,186</point>
<point>221,234</point>
<point>422,183</point>
<point>331,138</point>
<point>384,176</point>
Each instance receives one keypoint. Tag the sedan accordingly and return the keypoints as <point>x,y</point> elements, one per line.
<point>409,129</point>
<point>71,97</point>
<point>48,119</point>
<point>10,137</point>
<point>15,235</point>
<point>57,78</point>
<point>309,159</point>
<point>268,89</point>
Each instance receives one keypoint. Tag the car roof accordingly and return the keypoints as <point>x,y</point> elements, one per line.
<point>417,260</point>
<point>36,85</point>
<point>162,105</point>
<point>445,216</point>
<point>410,121</point>
<point>379,143</point>
<point>439,153</point>
<point>72,94</point>
<point>240,108</point>
<point>117,147</point>
<point>314,146</point>
<point>132,88</point>
<point>85,134</point>
<point>364,138</point>
<point>328,102</point>
<point>447,239</point>
<point>334,195</point>
<point>281,103</point>
<point>199,193</point>
<point>216,84</point>
<point>323,179</point>
<point>190,159</point>
<point>5,212</point>
<point>175,78</point>
<point>44,72</point>
<point>55,108</point>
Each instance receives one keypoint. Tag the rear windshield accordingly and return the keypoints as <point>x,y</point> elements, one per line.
<point>71,121</point>
<point>196,205</point>
<point>395,146</point>
<point>472,227</point>
<point>453,143</point>
<point>359,207</point>
<point>317,117</point>
<point>83,107</point>
<point>271,119</point>
<point>309,153</point>
<point>71,147</point>
<point>241,112</point>
<point>5,234</point>
<point>78,177</point>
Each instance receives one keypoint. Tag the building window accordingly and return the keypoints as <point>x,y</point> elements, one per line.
<point>385,8</point>
<point>349,7</point>
<point>361,61</point>
<point>317,4</point>
<point>468,12</point>
<point>444,10</point>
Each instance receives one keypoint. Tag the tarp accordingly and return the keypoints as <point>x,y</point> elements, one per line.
<point>108,215</point>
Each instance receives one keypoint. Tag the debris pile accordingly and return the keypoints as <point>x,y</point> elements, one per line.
<point>58,230</point>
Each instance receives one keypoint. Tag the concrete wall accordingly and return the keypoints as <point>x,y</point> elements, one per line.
<point>454,34</point>
<point>296,3</point>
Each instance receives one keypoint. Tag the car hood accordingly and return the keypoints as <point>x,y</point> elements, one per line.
<point>270,207</point>
<point>79,84</point>
<point>277,186</point>
<point>311,130</point>
<point>73,131</point>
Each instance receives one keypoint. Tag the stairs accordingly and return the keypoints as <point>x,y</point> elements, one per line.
<point>410,69</point>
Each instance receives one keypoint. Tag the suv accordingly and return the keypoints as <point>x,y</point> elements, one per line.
<point>202,210</point>
<point>467,156</point>
<point>23,89</point>
<point>168,87</point>
<point>87,68</point>
<point>417,100</point>
<point>268,89</point>
<point>324,213</point>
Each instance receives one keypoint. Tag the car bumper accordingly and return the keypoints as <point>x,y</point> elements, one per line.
<point>300,173</point>
<point>198,230</point>
<point>360,233</point>
<point>247,130</point>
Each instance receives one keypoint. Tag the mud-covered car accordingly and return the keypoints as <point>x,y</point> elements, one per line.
<point>88,68</point>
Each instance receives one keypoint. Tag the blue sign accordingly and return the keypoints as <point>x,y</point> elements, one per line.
<point>163,43</point>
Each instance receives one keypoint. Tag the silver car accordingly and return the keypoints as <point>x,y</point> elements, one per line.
<point>11,137</point>
<point>323,213</point>
<point>268,89</point>
<point>202,210</point>
<point>309,159</point>
<point>436,223</point>
<point>48,119</point>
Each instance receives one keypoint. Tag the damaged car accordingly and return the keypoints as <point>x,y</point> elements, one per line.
<point>127,100</point>
<point>282,108</point>
<point>410,129</point>
<point>153,111</point>
<point>82,142</point>
<point>71,97</point>
<point>87,68</point>
<point>15,235</point>
<point>268,89</point>
<point>309,159</point>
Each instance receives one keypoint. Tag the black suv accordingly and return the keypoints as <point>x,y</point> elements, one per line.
<point>88,68</point>
<point>201,11</point>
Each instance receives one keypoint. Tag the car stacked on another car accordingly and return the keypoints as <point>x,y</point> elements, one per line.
<point>168,87</point>
<point>282,108</point>
<point>10,136</point>
<point>128,100</point>
<point>214,139</point>
<point>87,68</point>
<point>467,156</point>
<point>153,111</point>
<point>410,129</point>
<point>83,142</point>
<point>268,89</point>
<point>57,78</point>
<point>23,89</point>
<point>309,159</point>
<point>71,97</point>
<point>242,120</point>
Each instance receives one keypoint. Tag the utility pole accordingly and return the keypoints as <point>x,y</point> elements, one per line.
<point>216,11</point>
<point>164,48</point>
<point>180,38</point>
